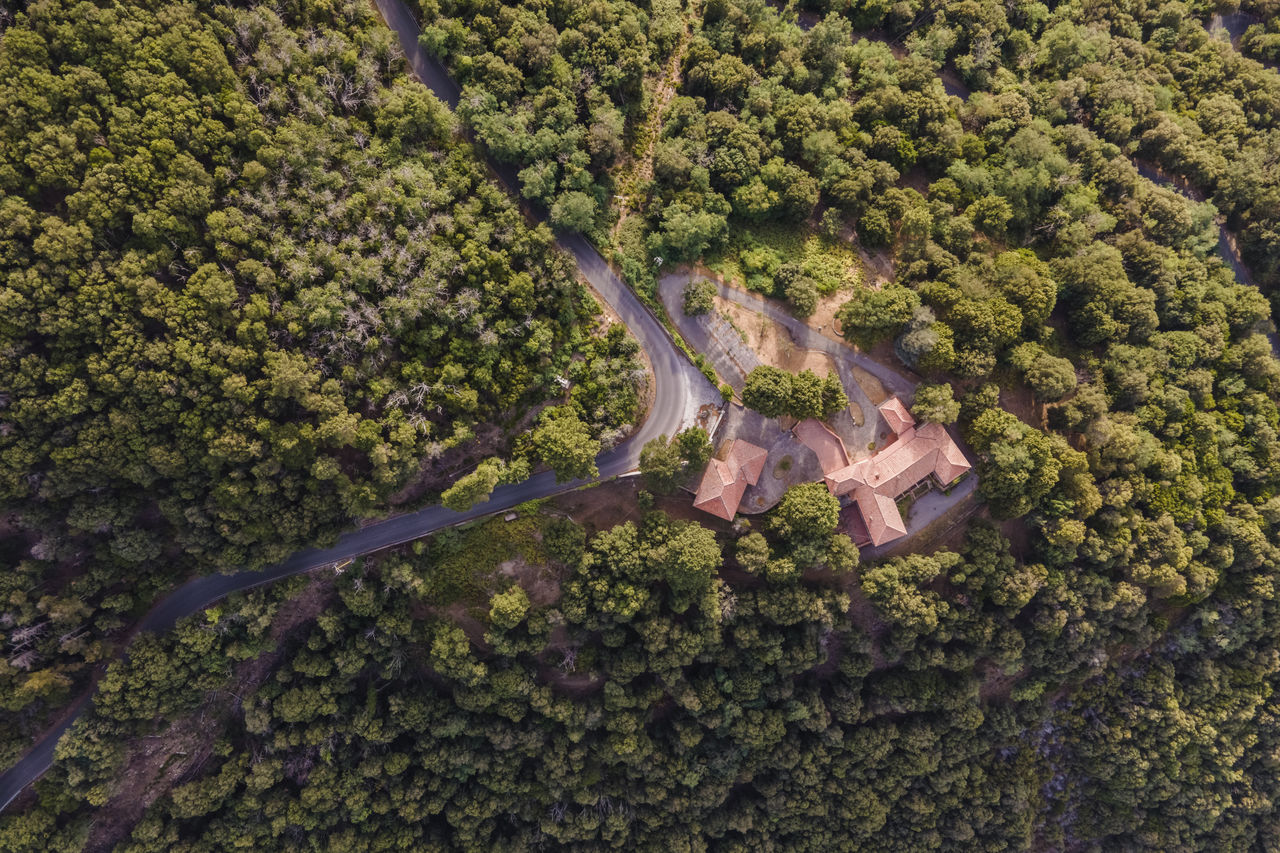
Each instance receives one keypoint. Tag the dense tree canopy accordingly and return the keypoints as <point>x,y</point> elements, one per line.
<point>251,282</point>
<point>301,283</point>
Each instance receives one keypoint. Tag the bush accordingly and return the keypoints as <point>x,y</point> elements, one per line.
<point>699,297</point>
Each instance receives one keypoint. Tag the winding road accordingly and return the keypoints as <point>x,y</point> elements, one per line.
<point>681,390</point>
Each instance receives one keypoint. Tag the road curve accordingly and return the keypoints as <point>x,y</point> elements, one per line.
<point>680,389</point>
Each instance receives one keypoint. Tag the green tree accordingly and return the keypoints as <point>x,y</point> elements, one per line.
<point>574,211</point>
<point>661,465</point>
<point>752,552</point>
<point>699,296</point>
<point>471,489</point>
<point>508,609</point>
<point>808,511</point>
<point>687,561</point>
<point>873,315</point>
<point>695,447</point>
<point>1050,377</point>
<point>564,442</point>
<point>768,391</point>
<point>935,404</point>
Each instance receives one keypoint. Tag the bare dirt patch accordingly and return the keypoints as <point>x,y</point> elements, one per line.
<point>772,342</point>
<point>540,582</point>
<point>823,317</point>
<point>1020,401</point>
<point>871,386</point>
<point>603,506</point>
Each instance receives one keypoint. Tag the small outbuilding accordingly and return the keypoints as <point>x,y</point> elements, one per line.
<point>738,465</point>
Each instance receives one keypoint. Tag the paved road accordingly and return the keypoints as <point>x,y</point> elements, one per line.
<point>680,390</point>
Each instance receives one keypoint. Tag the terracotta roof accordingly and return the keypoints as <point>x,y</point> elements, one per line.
<point>884,522</point>
<point>748,458</point>
<point>950,462</point>
<point>875,482</point>
<point>819,438</point>
<point>726,480</point>
<point>896,416</point>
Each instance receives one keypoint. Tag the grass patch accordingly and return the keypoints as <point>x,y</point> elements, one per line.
<point>753,253</point>
<point>784,465</point>
<point>461,563</point>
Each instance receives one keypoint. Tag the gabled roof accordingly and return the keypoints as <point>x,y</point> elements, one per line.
<point>875,482</point>
<point>726,480</point>
<point>950,462</point>
<point>884,522</point>
<point>896,416</point>
<point>747,458</point>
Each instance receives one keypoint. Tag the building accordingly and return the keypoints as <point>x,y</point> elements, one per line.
<point>737,466</point>
<point>914,455</point>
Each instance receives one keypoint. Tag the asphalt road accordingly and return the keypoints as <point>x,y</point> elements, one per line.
<point>681,388</point>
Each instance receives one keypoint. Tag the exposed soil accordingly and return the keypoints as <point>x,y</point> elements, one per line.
<point>539,582</point>
<point>1019,400</point>
<point>1019,536</point>
<point>612,503</point>
<point>872,386</point>
<point>877,266</point>
<point>823,317</point>
<point>772,342</point>
<point>603,506</point>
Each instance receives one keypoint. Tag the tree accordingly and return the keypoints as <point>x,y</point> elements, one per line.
<point>753,553</point>
<point>808,511</point>
<point>508,609</point>
<point>802,293</point>
<point>991,214</point>
<point>898,589</point>
<point>564,442</point>
<point>661,465</point>
<point>1019,466</point>
<point>695,447</point>
<point>873,315</point>
<point>574,211</point>
<point>773,392</point>
<point>806,399</point>
<point>768,391</point>
<point>699,297</point>
<point>687,561</point>
<point>834,398</point>
<point>686,233</point>
<point>471,489</point>
<point>1027,282</point>
<point>1051,378</point>
<point>935,404</point>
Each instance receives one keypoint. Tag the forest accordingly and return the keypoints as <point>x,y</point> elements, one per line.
<point>308,286</point>
<point>253,284</point>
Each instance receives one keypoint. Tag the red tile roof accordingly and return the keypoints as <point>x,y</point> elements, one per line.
<point>726,480</point>
<point>896,416</point>
<point>884,522</point>
<point>877,481</point>
<point>819,438</point>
